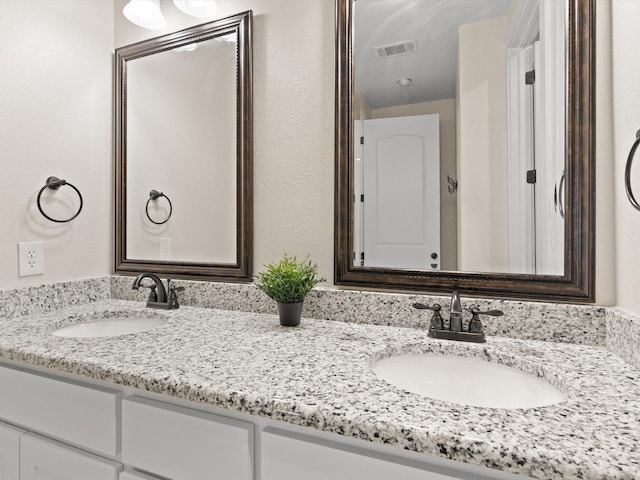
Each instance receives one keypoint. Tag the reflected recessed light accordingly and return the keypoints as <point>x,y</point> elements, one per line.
<point>197,8</point>
<point>186,48</point>
<point>145,13</point>
<point>229,38</point>
<point>403,82</point>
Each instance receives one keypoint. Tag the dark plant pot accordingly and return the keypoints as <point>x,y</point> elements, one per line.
<point>290,314</point>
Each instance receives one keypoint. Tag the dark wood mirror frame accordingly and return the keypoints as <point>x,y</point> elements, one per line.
<point>578,282</point>
<point>242,269</point>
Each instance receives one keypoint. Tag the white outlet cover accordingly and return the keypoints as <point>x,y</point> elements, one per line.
<point>30,258</point>
<point>165,248</point>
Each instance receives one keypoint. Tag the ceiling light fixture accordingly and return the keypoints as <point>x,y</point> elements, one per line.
<point>145,14</point>
<point>197,8</point>
<point>403,82</point>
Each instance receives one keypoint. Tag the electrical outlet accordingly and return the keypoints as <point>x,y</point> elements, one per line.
<point>165,249</point>
<point>30,258</point>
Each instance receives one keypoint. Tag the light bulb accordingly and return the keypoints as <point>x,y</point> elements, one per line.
<point>145,14</point>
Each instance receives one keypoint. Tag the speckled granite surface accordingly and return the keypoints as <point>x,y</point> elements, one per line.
<point>318,375</point>
<point>45,298</point>
<point>582,324</point>
<point>623,336</point>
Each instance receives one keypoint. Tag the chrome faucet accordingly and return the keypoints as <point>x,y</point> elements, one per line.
<point>158,297</point>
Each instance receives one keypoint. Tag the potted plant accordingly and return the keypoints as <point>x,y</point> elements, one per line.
<point>288,282</point>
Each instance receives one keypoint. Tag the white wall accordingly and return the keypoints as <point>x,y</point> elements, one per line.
<point>293,121</point>
<point>626,110</point>
<point>55,119</point>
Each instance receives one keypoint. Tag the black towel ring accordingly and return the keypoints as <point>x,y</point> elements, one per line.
<point>54,183</point>
<point>154,195</point>
<point>627,172</point>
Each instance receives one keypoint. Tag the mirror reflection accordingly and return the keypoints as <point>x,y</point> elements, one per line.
<point>181,142</point>
<point>459,135</point>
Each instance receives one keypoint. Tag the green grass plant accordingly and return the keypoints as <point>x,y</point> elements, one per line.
<point>289,280</point>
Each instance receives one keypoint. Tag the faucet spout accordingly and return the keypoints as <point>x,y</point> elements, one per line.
<point>162,292</point>
<point>455,322</point>
<point>456,304</point>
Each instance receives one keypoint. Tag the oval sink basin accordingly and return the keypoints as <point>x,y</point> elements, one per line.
<point>467,381</point>
<point>109,327</point>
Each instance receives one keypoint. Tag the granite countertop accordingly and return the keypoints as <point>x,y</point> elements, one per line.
<point>318,375</point>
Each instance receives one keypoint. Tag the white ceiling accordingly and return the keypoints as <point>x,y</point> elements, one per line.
<point>434,26</point>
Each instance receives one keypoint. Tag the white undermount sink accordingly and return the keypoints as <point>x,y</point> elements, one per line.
<point>109,327</point>
<point>467,381</point>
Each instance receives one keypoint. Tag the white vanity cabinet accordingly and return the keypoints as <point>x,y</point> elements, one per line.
<point>291,456</point>
<point>45,460</point>
<point>185,444</point>
<point>77,430</point>
<point>9,452</point>
<point>286,458</point>
<point>26,456</point>
<point>69,411</point>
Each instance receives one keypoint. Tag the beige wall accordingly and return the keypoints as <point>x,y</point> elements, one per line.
<point>55,119</point>
<point>605,174</point>
<point>482,139</point>
<point>361,110</point>
<point>448,223</point>
<point>626,110</point>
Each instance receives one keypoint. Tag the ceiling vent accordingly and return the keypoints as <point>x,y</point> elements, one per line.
<point>395,49</point>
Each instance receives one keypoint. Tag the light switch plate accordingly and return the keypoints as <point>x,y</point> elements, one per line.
<point>30,258</point>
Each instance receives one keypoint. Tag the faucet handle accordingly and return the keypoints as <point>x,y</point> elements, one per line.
<point>475,325</point>
<point>153,294</point>
<point>436,318</point>
<point>493,313</point>
<point>173,295</point>
<point>171,288</point>
<point>422,306</point>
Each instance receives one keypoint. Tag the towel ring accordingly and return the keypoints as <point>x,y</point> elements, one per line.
<point>561,195</point>
<point>627,172</point>
<point>154,195</point>
<point>54,183</point>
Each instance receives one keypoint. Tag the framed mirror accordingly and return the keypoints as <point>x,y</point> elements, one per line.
<point>465,147</point>
<point>184,147</point>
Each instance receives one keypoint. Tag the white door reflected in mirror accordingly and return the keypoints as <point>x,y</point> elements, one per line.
<point>401,174</point>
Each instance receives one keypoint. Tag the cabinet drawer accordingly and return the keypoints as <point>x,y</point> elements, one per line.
<point>292,456</point>
<point>9,452</point>
<point>286,458</point>
<point>45,460</point>
<point>185,444</point>
<point>80,415</point>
